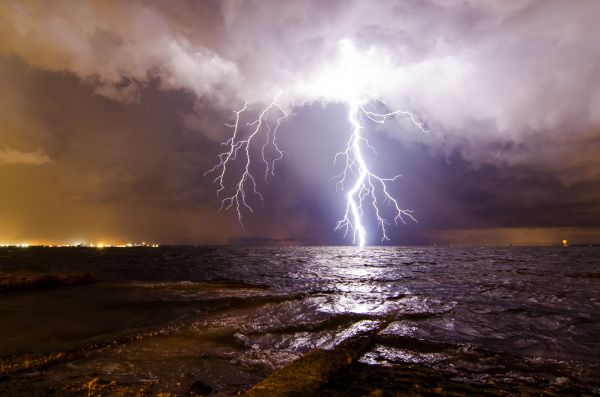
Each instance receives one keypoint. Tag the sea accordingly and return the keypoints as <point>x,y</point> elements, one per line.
<point>161,319</point>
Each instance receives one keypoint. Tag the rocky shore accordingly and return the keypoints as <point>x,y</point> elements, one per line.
<point>20,282</point>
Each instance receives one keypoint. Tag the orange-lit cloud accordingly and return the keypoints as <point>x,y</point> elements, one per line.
<point>12,156</point>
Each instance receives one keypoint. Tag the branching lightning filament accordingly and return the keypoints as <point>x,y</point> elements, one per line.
<point>267,125</point>
<point>368,187</point>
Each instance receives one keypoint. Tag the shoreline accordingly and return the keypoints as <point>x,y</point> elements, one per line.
<point>334,370</point>
<point>321,322</point>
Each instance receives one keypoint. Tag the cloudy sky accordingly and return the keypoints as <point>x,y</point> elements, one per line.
<point>111,112</point>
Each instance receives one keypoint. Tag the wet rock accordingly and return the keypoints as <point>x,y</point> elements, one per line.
<point>22,282</point>
<point>97,387</point>
<point>305,376</point>
<point>361,379</point>
<point>200,388</point>
<point>10,365</point>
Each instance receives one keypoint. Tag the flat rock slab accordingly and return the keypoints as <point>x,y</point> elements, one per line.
<point>305,376</point>
<point>23,282</point>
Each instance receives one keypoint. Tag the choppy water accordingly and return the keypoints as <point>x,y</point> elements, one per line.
<point>165,317</point>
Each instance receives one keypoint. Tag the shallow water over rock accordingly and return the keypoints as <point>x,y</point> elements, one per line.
<point>161,319</point>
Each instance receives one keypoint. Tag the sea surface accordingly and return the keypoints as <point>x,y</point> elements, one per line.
<point>163,318</point>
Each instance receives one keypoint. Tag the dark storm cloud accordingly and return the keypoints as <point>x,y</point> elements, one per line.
<point>109,113</point>
<point>115,170</point>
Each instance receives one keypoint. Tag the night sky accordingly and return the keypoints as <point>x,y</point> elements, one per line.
<point>111,112</point>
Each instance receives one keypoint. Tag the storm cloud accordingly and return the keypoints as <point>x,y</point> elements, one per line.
<point>122,104</point>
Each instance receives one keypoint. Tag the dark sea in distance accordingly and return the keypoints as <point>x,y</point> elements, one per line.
<point>231,315</point>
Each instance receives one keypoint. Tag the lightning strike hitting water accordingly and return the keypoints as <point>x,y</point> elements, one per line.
<point>368,186</point>
<point>346,80</point>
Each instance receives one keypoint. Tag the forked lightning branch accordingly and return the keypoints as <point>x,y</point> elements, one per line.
<point>256,142</point>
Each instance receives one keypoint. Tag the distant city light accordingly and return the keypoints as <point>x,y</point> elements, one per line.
<point>99,245</point>
<point>18,245</point>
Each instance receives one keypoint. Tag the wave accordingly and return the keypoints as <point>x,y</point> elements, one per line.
<point>194,285</point>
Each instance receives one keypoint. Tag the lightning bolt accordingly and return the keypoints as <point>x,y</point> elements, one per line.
<point>347,79</point>
<point>239,146</point>
<point>367,186</point>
